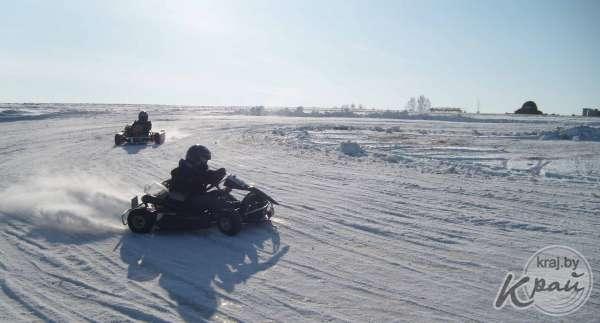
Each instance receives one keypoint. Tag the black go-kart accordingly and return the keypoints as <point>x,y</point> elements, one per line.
<point>161,209</point>
<point>130,136</point>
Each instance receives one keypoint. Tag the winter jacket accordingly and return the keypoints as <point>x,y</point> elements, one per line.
<point>140,128</point>
<point>190,179</point>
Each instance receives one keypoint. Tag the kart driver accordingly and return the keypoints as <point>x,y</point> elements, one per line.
<point>193,178</point>
<point>142,126</point>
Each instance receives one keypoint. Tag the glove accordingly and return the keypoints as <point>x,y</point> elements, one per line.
<point>218,175</point>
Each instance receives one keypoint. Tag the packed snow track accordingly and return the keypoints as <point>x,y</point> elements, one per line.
<point>422,226</point>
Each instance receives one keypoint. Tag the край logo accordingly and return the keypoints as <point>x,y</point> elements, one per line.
<point>557,280</point>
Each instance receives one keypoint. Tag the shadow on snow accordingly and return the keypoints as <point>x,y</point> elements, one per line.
<point>200,270</point>
<point>133,148</point>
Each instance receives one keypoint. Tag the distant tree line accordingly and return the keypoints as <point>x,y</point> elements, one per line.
<point>420,105</point>
<point>415,105</point>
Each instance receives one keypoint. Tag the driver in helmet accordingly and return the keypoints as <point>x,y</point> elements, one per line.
<point>193,177</point>
<point>142,126</point>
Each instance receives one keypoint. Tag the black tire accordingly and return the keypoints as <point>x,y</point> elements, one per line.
<point>230,223</point>
<point>157,138</point>
<point>251,202</point>
<point>270,211</point>
<point>141,220</point>
<point>119,140</point>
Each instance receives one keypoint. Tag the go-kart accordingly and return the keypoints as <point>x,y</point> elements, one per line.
<point>162,209</point>
<point>130,136</point>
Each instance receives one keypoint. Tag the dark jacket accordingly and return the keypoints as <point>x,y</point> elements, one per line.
<point>190,179</point>
<point>140,128</point>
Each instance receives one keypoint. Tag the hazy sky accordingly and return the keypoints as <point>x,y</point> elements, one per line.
<point>311,53</point>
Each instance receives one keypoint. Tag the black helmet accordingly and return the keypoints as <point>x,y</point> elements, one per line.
<point>197,153</point>
<point>143,116</point>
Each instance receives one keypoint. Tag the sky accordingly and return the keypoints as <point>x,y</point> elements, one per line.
<point>311,53</point>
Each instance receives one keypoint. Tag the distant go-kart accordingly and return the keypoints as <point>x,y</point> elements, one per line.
<point>130,135</point>
<point>162,209</point>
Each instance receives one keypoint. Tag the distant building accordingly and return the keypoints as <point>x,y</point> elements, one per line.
<point>445,110</point>
<point>591,112</point>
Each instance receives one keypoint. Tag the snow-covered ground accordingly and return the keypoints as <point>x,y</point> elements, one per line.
<point>422,225</point>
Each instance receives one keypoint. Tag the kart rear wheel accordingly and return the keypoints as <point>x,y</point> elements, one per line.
<point>141,220</point>
<point>119,140</point>
<point>229,223</point>
<point>158,139</point>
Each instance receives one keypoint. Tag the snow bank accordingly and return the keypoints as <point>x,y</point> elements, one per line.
<point>352,149</point>
<point>20,112</point>
<point>69,204</point>
<point>584,133</point>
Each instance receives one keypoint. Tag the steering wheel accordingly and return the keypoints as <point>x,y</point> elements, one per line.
<point>211,186</point>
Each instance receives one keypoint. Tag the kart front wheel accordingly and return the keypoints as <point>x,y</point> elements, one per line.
<point>230,223</point>
<point>141,221</point>
<point>270,211</point>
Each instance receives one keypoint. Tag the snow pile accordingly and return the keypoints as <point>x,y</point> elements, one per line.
<point>302,135</point>
<point>77,204</point>
<point>352,149</point>
<point>583,133</point>
<point>8,112</point>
